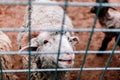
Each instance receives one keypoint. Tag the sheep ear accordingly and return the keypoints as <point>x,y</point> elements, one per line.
<point>113,8</point>
<point>32,48</point>
<point>74,40</point>
<point>28,48</point>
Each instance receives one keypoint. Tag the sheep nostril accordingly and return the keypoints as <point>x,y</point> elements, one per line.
<point>69,54</point>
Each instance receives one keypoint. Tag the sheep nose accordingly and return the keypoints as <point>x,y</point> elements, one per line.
<point>70,54</point>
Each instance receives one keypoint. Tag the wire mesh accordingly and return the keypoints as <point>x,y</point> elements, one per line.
<point>66,3</point>
<point>1,71</point>
<point>89,41</point>
<point>29,34</point>
<point>61,34</point>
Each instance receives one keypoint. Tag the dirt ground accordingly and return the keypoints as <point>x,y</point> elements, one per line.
<point>12,16</point>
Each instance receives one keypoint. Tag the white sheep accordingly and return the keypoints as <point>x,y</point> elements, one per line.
<point>109,20</point>
<point>48,17</point>
<point>5,46</point>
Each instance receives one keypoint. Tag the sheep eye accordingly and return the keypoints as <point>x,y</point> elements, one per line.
<point>45,41</point>
<point>65,32</point>
<point>56,32</point>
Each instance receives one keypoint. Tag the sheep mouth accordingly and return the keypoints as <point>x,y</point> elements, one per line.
<point>68,61</point>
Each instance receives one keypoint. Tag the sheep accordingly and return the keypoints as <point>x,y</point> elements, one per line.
<point>48,17</point>
<point>109,20</point>
<point>5,46</point>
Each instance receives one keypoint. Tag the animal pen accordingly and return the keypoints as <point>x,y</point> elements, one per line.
<point>87,51</point>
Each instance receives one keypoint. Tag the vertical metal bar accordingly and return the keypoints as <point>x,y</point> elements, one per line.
<point>29,37</point>
<point>62,29</point>
<point>109,59</point>
<point>89,40</point>
<point>1,72</point>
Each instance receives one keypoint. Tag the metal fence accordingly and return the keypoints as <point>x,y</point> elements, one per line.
<point>66,3</point>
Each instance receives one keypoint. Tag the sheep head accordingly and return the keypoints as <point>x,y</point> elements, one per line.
<point>49,42</point>
<point>102,10</point>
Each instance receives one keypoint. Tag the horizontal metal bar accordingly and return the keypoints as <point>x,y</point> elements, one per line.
<point>61,69</point>
<point>60,3</point>
<point>75,52</point>
<point>54,30</point>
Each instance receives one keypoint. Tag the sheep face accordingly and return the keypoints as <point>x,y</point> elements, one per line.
<point>49,42</point>
<point>102,10</point>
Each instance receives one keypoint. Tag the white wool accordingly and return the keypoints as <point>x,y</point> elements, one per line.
<point>113,20</point>
<point>5,46</point>
<point>5,42</point>
<point>48,17</point>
